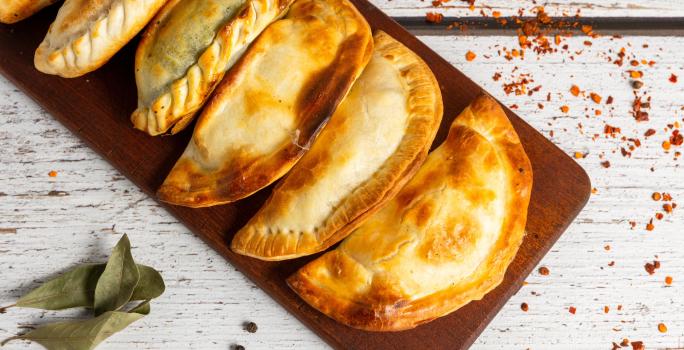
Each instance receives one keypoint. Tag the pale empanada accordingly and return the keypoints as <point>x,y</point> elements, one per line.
<point>186,51</point>
<point>447,238</point>
<point>374,142</point>
<point>272,104</point>
<point>87,33</point>
<point>12,11</point>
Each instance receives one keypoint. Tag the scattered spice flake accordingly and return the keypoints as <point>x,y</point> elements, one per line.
<point>470,56</point>
<point>656,196</point>
<point>611,264</point>
<point>673,78</point>
<point>659,216</point>
<point>605,164</point>
<point>575,90</point>
<point>434,17</point>
<point>524,307</point>
<point>668,280</point>
<point>594,190</point>
<point>651,267</point>
<point>579,155</point>
<point>544,271</point>
<point>649,132</point>
<point>609,100</point>
<point>52,173</point>
<point>606,247</point>
<point>496,14</point>
<point>676,139</point>
<point>496,76</point>
<point>662,328</point>
<point>649,226</point>
<point>572,310</point>
<point>606,309</point>
<point>637,84</point>
<point>565,109</point>
<point>667,207</point>
<point>620,309</point>
<point>666,145</point>
<point>636,74</point>
<point>595,97</point>
<point>638,345</point>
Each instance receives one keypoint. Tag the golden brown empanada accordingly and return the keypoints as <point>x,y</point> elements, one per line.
<point>87,33</point>
<point>374,142</point>
<point>272,104</point>
<point>447,238</point>
<point>185,53</point>
<point>12,11</point>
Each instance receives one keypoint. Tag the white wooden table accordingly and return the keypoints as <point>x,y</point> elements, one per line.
<point>49,223</point>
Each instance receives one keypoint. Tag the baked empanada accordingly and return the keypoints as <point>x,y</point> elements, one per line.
<point>12,11</point>
<point>186,51</point>
<point>447,238</point>
<point>374,142</point>
<point>87,33</point>
<point>271,104</point>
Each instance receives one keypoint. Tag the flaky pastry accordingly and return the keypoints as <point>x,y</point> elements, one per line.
<point>446,239</point>
<point>12,11</point>
<point>271,104</point>
<point>87,33</point>
<point>185,53</point>
<point>375,141</point>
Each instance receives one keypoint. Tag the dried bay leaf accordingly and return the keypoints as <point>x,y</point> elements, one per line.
<point>79,335</point>
<point>150,284</point>
<point>142,308</point>
<point>74,288</point>
<point>118,280</point>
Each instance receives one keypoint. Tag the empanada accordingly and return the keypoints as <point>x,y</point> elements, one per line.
<point>272,104</point>
<point>374,142</point>
<point>447,238</point>
<point>87,33</point>
<point>12,11</point>
<point>185,53</point>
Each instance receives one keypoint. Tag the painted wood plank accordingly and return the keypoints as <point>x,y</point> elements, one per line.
<point>588,8</point>
<point>88,201</point>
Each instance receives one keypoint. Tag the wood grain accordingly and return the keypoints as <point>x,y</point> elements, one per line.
<point>99,117</point>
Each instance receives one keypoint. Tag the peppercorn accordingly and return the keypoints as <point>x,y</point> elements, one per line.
<point>250,327</point>
<point>636,84</point>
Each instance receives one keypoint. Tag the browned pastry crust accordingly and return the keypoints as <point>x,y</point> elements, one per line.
<point>221,169</point>
<point>372,145</point>
<point>425,254</point>
<point>12,11</point>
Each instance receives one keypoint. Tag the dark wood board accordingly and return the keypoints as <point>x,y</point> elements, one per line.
<point>96,107</point>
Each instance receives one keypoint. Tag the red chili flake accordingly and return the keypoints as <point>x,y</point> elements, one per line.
<point>649,226</point>
<point>606,247</point>
<point>662,328</point>
<point>611,264</point>
<point>587,43</point>
<point>572,310</point>
<point>605,164</point>
<point>606,309</point>
<point>470,56</point>
<point>649,132</point>
<point>620,308</point>
<point>496,14</point>
<point>544,271</point>
<point>609,100</point>
<point>667,208</point>
<point>666,145</point>
<point>651,267</point>
<point>496,76</point>
<point>656,196</point>
<point>434,17</point>
<point>595,97</point>
<point>52,173</point>
<point>575,90</point>
<point>524,307</point>
<point>565,109</point>
<point>611,130</point>
<point>668,280</point>
<point>659,216</point>
<point>638,345</point>
<point>673,78</point>
<point>634,63</point>
<point>676,139</point>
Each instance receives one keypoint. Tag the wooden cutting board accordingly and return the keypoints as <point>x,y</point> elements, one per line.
<point>96,107</point>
